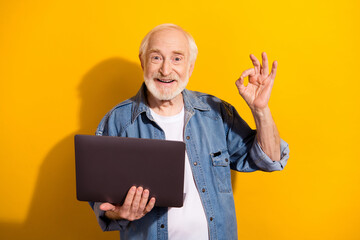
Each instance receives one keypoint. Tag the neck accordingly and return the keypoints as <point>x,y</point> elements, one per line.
<point>165,107</point>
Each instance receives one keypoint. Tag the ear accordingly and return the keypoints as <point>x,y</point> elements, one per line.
<point>191,68</point>
<point>141,62</point>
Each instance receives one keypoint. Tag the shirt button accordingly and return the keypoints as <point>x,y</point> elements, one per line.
<point>226,160</point>
<point>195,163</point>
<point>211,218</point>
<point>187,137</point>
<point>162,226</point>
<point>203,190</point>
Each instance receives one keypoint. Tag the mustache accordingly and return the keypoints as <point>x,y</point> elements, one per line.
<point>170,76</point>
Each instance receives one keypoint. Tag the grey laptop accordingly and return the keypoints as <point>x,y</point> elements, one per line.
<point>106,168</point>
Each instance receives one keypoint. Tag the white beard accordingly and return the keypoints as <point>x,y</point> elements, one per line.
<point>164,93</point>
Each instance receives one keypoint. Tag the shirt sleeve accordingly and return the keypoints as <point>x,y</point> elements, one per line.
<point>264,162</point>
<point>245,152</point>
<point>107,224</point>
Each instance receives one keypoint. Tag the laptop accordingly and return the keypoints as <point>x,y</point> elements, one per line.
<point>107,167</point>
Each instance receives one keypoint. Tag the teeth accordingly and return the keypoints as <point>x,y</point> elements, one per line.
<point>165,81</point>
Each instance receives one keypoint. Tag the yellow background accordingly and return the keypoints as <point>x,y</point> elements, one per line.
<point>64,64</point>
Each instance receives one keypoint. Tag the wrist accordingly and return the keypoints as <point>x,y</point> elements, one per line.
<point>262,118</point>
<point>260,113</point>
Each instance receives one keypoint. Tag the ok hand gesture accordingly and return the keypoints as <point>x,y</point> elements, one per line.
<point>257,93</point>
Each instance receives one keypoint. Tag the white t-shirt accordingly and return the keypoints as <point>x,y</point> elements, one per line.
<point>188,222</point>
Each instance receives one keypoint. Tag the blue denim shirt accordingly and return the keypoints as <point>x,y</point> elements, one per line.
<point>217,140</point>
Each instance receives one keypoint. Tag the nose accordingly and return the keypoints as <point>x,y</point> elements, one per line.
<point>165,68</point>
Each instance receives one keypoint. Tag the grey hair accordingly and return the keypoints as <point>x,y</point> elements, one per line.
<point>192,45</point>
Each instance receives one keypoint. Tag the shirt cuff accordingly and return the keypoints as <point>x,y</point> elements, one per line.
<point>264,162</point>
<point>107,224</point>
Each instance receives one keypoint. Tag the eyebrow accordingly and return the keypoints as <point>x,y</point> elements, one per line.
<point>153,50</point>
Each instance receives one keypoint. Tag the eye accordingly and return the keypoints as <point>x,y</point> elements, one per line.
<point>155,58</point>
<point>177,59</point>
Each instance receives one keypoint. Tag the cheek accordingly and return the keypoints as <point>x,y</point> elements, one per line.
<point>149,71</point>
<point>182,71</point>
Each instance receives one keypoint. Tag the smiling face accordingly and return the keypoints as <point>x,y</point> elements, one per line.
<point>166,64</point>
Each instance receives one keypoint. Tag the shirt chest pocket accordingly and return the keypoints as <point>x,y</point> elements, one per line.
<point>221,170</point>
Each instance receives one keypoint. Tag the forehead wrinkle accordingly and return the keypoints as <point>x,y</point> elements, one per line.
<point>168,39</point>
<point>153,50</point>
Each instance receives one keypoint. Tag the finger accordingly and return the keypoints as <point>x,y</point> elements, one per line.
<point>136,200</point>
<point>273,70</point>
<point>256,63</point>
<point>240,84</point>
<point>265,65</point>
<point>150,205</point>
<point>144,199</point>
<point>107,207</point>
<point>129,198</point>
<point>248,72</point>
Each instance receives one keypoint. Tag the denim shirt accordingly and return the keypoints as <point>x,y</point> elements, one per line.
<point>217,140</point>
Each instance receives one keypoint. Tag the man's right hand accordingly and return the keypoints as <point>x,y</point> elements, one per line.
<point>135,205</point>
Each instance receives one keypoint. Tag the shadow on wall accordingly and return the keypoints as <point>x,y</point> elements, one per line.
<point>54,212</point>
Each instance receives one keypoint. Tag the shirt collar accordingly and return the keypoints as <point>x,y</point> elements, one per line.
<point>191,102</point>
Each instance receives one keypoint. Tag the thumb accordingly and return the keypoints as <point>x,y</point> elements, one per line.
<point>107,207</point>
<point>240,85</point>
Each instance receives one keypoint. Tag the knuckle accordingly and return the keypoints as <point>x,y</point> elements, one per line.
<point>126,205</point>
<point>135,206</point>
<point>124,216</point>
